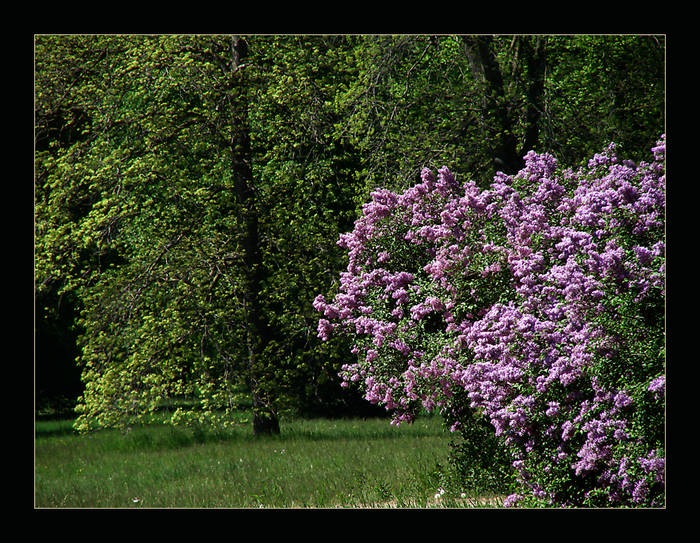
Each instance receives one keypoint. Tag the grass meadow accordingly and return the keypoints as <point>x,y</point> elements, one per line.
<point>316,463</point>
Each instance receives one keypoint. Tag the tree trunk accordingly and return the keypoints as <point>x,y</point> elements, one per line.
<point>534,55</point>
<point>265,420</point>
<point>506,155</point>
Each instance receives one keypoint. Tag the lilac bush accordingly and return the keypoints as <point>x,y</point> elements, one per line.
<point>537,304</point>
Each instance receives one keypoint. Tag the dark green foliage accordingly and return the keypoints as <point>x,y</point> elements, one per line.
<point>57,377</point>
<point>478,459</point>
<point>140,258</point>
<point>602,89</point>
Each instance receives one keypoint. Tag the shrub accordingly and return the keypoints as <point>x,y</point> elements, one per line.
<point>541,299</point>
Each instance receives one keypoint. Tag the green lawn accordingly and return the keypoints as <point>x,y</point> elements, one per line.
<point>313,463</point>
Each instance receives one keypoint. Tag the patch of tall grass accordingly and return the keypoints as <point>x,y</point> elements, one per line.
<point>319,463</point>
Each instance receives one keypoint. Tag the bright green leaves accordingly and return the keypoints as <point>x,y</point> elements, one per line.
<point>139,217</point>
<point>136,213</point>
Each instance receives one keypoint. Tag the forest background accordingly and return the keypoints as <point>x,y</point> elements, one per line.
<point>190,191</point>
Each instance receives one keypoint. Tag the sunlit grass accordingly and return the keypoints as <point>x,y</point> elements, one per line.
<point>313,463</point>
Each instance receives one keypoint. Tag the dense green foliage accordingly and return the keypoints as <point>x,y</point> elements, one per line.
<point>141,259</point>
<point>140,218</point>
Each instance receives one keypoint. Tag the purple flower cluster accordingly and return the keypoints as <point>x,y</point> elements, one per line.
<point>513,296</point>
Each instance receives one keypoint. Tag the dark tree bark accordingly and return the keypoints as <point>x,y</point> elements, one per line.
<point>507,157</point>
<point>534,56</point>
<point>265,420</point>
<point>505,152</point>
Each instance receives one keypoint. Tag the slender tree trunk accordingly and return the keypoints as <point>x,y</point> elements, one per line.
<point>534,55</point>
<point>505,154</point>
<point>507,157</point>
<point>265,420</point>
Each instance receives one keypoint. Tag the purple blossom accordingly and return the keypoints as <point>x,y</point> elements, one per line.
<point>658,386</point>
<point>512,500</point>
<point>568,242</point>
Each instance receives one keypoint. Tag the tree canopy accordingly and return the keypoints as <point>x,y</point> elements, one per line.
<point>189,190</point>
